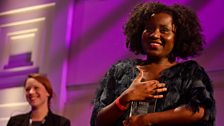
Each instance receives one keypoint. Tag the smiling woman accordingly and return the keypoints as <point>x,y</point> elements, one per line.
<point>157,90</point>
<point>39,92</point>
<point>158,35</point>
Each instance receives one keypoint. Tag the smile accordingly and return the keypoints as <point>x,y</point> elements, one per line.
<point>155,44</point>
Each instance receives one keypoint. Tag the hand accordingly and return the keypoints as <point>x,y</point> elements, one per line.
<point>136,120</point>
<point>139,90</point>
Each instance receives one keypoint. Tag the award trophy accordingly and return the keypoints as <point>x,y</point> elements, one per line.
<point>142,107</point>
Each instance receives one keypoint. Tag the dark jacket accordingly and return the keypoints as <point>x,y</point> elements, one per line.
<point>50,120</point>
<point>187,84</point>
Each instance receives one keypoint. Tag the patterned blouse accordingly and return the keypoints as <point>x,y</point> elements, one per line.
<point>187,84</point>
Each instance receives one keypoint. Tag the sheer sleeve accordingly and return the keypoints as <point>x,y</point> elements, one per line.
<point>105,94</point>
<point>201,94</point>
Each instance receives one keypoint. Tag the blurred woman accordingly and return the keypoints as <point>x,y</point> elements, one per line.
<point>39,92</point>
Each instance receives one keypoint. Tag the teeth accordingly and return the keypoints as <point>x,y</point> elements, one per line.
<point>155,43</point>
<point>32,98</point>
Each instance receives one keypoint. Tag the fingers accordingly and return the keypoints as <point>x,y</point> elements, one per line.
<point>156,89</point>
<point>160,85</point>
<point>140,75</point>
<point>125,122</point>
<point>157,96</point>
<point>160,90</point>
<point>155,84</point>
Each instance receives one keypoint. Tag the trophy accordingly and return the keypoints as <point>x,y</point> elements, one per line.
<point>142,107</point>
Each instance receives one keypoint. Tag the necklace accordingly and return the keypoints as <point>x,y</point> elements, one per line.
<point>36,123</point>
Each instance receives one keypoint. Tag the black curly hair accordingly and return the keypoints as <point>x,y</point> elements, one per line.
<point>189,40</point>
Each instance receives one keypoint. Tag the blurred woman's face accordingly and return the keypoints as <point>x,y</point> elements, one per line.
<point>158,36</point>
<point>36,93</point>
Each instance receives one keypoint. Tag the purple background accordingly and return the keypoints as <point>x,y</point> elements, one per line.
<point>85,37</point>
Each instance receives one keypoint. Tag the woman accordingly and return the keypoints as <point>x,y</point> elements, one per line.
<point>182,91</point>
<point>39,92</point>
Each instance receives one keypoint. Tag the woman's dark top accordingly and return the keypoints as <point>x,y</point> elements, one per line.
<point>50,120</point>
<point>187,84</point>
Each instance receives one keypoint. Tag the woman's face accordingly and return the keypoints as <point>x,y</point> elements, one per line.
<point>158,36</point>
<point>36,93</point>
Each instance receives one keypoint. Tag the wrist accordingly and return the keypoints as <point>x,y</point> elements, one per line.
<point>125,98</point>
<point>121,105</point>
